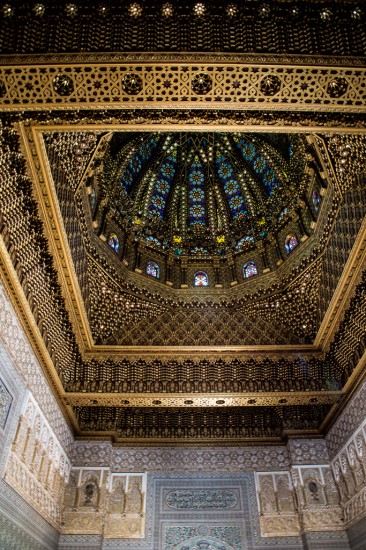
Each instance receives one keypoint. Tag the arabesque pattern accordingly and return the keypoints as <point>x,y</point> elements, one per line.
<point>243,85</point>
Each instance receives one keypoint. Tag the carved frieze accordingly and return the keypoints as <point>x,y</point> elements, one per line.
<point>242,86</point>
<point>276,504</point>
<point>348,423</point>
<point>20,350</point>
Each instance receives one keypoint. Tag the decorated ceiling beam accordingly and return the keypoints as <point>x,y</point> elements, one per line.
<point>219,82</point>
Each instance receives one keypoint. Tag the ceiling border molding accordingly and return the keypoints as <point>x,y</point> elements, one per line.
<point>243,83</point>
<point>187,57</point>
<point>189,400</point>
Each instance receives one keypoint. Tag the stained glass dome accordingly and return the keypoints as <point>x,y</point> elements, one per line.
<point>203,193</point>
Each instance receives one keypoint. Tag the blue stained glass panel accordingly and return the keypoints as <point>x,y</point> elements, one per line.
<point>291,242</point>
<point>199,250</point>
<point>113,242</point>
<point>244,241</point>
<point>316,200</point>
<point>93,198</point>
<point>153,241</point>
<point>259,163</point>
<point>282,214</point>
<point>231,187</point>
<point>247,149</point>
<point>163,183</point>
<point>196,193</point>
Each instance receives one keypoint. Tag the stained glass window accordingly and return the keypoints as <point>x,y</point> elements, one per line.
<point>316,200</point>
<point>139,156</point>
<point>258,162</point>
<point>232,189</point>
<point>244,241</point>
<point>249,269</point>
<point>153,269</point>
<point>291,242</point>
<point>153,241</point>
<point>247,148</point>
<point>113,242</point>
<point>201,279</point>
<point>197,250</point>
<point>282,214</point>
<point>196,193</point>
<point>162,185</point>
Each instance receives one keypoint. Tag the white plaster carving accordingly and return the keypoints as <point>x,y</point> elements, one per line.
<point>38,466</point>
<point>276,504</point>
<point>349,469</point>
<point>351,420</point>
<point>296,501</point>
<point>166,458</point>
<point>98,501</point>
<point>19,349</point>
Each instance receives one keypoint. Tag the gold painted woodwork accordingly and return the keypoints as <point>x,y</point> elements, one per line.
<point>168,82</point>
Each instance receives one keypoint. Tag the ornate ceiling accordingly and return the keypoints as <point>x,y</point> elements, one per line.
<point>147,358</point>
<point>198,194</point>
<point>188,275</point>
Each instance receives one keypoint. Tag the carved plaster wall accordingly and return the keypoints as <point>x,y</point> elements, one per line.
<point>349,469</point>
<point>12,391</point>
<point>297,501</point>
<point>317,498</point>
<point>130,459</point>
<point>21,527</point>
<point>21,354</point>
<point>276,503</point>
<point>38,467</point>
<point>348,423</point>
<point>5,404</point>
<point>100,502</point>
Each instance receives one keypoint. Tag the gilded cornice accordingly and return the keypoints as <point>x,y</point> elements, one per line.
<point>280,84</point>
<point>189,400</point>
